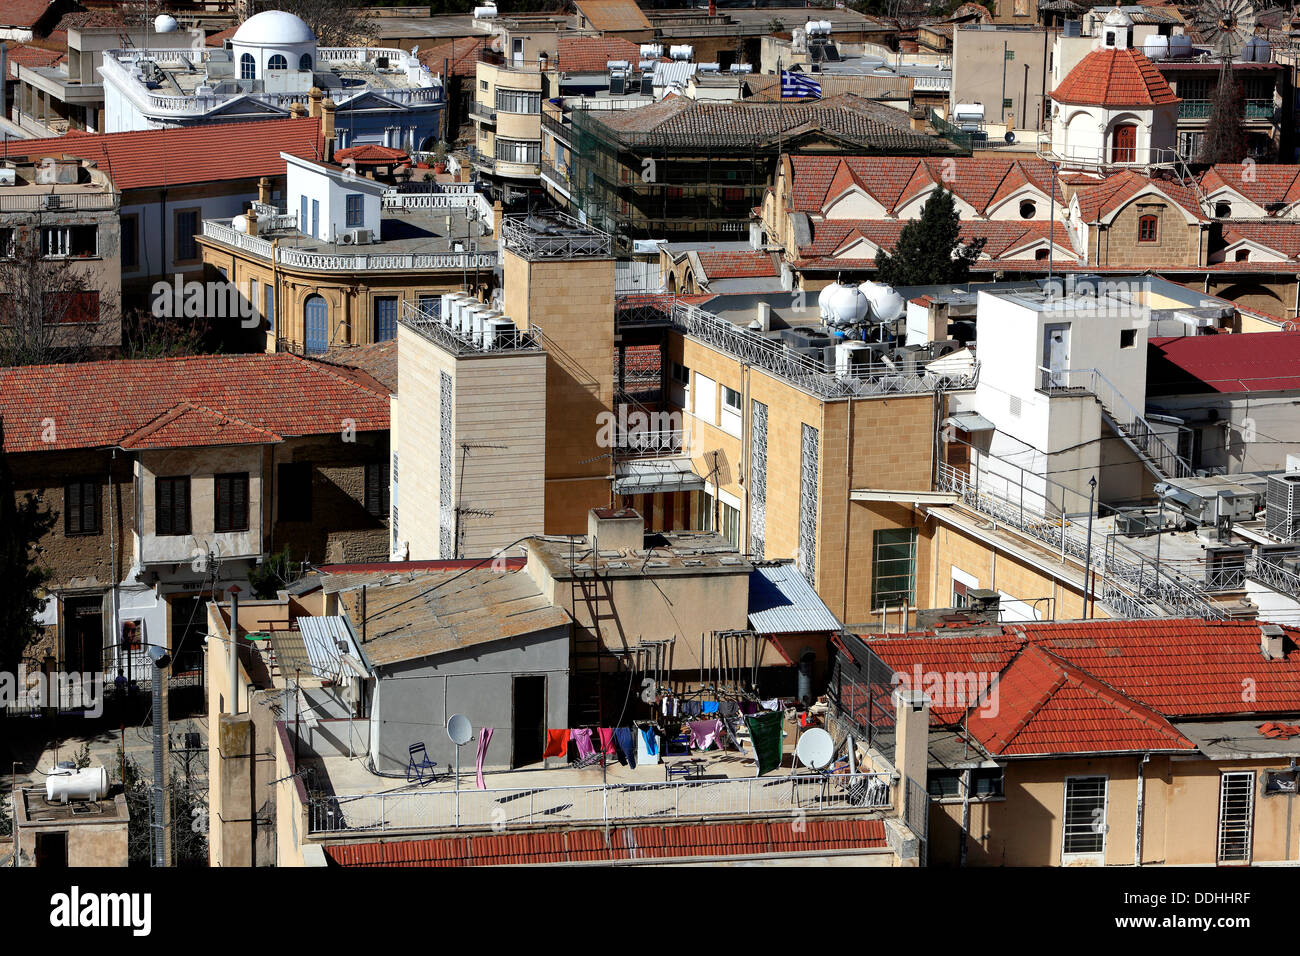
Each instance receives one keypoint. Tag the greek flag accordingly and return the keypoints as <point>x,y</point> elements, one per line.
<point>796,84</point>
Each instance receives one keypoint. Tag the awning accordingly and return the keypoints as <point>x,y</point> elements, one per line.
<point>653,475</point>
<point>969,422</point>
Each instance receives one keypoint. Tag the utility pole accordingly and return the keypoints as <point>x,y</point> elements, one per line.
<point>1087,567</point>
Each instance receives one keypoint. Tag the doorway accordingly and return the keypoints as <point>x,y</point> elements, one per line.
<point>529,720</point>
<point>1056,355</point>
<point>52,849</point>
<point>1124,144</point>
<point>83,634</point>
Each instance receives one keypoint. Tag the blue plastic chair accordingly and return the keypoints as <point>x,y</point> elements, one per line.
<point>418,763</point>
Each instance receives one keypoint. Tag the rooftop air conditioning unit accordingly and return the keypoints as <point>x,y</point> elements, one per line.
<point>1282,506</point>
<point>357,237</point>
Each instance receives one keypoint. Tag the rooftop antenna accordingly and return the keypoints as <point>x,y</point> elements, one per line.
<point>459,732</point>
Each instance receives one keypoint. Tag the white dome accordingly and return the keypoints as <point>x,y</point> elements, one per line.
<point>164,23</point>
<point>273,28</point>
<point>1117,18</point>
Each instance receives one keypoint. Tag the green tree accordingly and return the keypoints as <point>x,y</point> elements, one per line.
<point>23,523</point>
<point>275,572</point>
<point>929,250</point>
<point>1225,140</point>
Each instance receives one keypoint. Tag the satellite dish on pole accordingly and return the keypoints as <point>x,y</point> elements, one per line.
<point>459,729</point>
<point>1010,138</point>
<point>815,748</point>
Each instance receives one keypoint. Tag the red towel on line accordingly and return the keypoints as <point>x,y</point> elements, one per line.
<point>557,743</point>
<point>607,740</point>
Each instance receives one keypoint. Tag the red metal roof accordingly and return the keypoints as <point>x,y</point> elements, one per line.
<point>1096,686</point>
<point>154,158</point>
<point>1247,362</point>
<point>625,843</point>
<point>100,404</point>
<point>1114,78</point>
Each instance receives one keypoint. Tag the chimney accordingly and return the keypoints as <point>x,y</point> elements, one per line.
<point>764,317</point>
<point>496,219</point>
<point>327,128</point>
<point>264,190</point>
<point>621,529</point>
<point>297,110</point>
<point>912,740</point>
<point>250,217</point>
<point>314,96</point>
<point>1270,642</point>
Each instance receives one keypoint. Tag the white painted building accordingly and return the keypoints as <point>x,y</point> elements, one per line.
<point>332,202</point>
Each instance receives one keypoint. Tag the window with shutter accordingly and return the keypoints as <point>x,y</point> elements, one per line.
<point>231,502</point>
<point>172,506</point>
<point>294,491</point>
<point>81,508</point>
<point>377,476</point>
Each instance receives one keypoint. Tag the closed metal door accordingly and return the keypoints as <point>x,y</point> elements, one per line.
<point>315,325</point>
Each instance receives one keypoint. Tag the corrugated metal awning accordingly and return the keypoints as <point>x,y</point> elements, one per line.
<point>653,475</point>
<point>969,422</point>
<point>781,601</point>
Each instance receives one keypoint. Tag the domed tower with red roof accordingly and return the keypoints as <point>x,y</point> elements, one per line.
<point>1114,110</point>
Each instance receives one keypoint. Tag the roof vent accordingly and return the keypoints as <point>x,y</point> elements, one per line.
<point>1270,642</point>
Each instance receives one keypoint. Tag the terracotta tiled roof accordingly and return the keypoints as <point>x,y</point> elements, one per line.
<point>100,404</point>
<point>194,154</point>
<point>624,843</point>
<point>737,265</point>
<point>460,56</point>
<point>591,54</point>
<point>1249,362</point>
<point>1100,686</point>
<point>1262,183</point>
<point>23,13</point>
<point>1283,237</point>
<point>219,38</point>
<point>892,180</point>
<point>188,424</point>
<point>371,154</point>
<point>1114,78</point>
<point>1002,237</point>
<point>377,360</point>
<point>1097,202</point>
<point>33,57</point>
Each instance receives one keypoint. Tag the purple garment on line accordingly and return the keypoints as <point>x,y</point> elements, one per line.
<point>749,707</point>
<point>582,737</point>
<point>704,733</point>
<point>484,738</point>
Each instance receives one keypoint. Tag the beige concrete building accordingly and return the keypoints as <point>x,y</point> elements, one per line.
<point>76,834</point>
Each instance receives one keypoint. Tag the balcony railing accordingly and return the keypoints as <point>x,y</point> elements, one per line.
<point>347,262</point>
<point>59,202</point>
<point>1251,109</point>
<point>598,803</point>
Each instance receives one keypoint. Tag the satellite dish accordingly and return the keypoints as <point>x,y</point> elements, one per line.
<point>1010,137</point>
<point>815,748</point>
<point>459,729</point>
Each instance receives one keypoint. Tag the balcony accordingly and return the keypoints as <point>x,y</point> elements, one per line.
<point>1251,110</point>
<point>482,112</point>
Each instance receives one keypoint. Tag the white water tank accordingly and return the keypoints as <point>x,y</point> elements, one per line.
<point>164,23</point>
<point>824,298</point>
<point>1156,47</point>
<point>651,51</point>
<point>886,304</point>
<point>485,12</point>
<point>682,52</point>
<point>847,306</point>
<point>817,28</point>
<point>63,785</point>
<point>1180,47</point>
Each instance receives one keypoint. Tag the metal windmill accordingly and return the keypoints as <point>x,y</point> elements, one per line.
<point>1225,25</point>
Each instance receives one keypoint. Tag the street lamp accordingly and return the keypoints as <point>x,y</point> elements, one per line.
<point>1087,565</point>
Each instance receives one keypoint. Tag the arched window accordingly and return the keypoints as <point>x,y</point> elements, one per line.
<point>315,321</point>
<point>1222,209</point>
<point>1243,255</point>
<point>1027,209</point>
<point>304,62</point>
<point>1040,255</point>
<point>1148,227</point>
<point>247,67</point>
<point>1124,144</point>
<point>277,62</point>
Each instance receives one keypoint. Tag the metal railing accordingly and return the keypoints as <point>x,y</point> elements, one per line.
<point>59,202</point>
<point>1131,583</point>
<point>464,342</point>
<point>394,199</point>
<point>556,237</point>
<point>1129,421</point>
<point>651,444</point>
<point>1250,109</point>
<point>598,803</point>
<point>1161,156</point>
<point>773,357</point>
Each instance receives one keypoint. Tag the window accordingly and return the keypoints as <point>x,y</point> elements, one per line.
<point>186,225</point>
<point>681,374</point>
<point>377,485</point>
<point>172,505</point>
<point>6,243</point>
<point>731,399</point>
<point>518,151</point>
<point>277,62</point>
<point>1040,255</point>
<point>62,242</point>
<point>1083,830</point>
<point>385,318</point>
<point>355,209</point>
<point>71,308</point>
<point>1128,338</point>
<point>518,101</point>
<point>247,67</point>
<point>730,420</point>
<point>304,62</point>
<point>315,320</point>
<point>1124,144</point>
<point>1147,229</point>
<point>730,523</point>
<point>893,567</point>
<point>81,508</point>
<point>231,502</point>
<point>1027,209</point>
<point>1222,209</point>
<point>962,585</point>
<point>429,306</point>
<point>293,491</point>
<point>482,84</point>
<point>315,218</point>
<point>303,221</point>
<point>1236,816</point>
<point>984,782</point>
<point>268,307</point>
<point>706,397</point>
<point>130,242</point>
<point>1243,255</point>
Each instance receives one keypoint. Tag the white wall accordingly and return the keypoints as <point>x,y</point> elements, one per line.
<point>330,189</point>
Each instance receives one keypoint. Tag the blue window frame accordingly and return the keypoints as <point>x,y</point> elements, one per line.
<point>355,208</point>
<point>315,218</point>
<point>385,318</point>
<point>268,309</point>
<point>315,315</point>
<point>302,213</point>
<point>277,62</point>
<point>247,67</point>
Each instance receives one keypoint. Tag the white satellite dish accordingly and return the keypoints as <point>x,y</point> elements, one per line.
<point>459,729</point>
<point>815,748</point>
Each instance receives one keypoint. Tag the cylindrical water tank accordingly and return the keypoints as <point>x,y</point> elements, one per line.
<point>1180,46</point>
<point>886,304</point>
<point>1156,47</point>
<point>847,306</point>
<point>651,51</point>
<point>90,783</point>
<point>682,52</point>
<point>824,298</point>
<point>164,23</point>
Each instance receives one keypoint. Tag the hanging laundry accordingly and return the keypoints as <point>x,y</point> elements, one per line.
<point>557,743</point>
<point>647,746</point>
<point>626,746</point>
<point>733,735</point>
<point>484,738</point>
<point>704,733</point>
<point>606,740</point>
<point>765,733</point>
<point>749,707</point>
<point>727,708</point>
<point>772,704</point>
<point>710,707</point>
<point>582,738</point>
<point>691,708</point>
